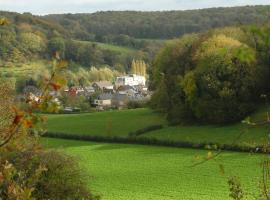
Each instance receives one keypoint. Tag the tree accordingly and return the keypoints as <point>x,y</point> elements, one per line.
<point>31,42</point>
<point>210,78</point>
<point>138,67</point>
<point>57,44</point>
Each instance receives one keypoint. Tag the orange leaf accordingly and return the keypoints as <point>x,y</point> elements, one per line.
<point>18,117</point>
<point>27,124</point>
<point>55,86</point>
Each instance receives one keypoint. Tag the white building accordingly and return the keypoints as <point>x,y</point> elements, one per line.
<point>131,80</point>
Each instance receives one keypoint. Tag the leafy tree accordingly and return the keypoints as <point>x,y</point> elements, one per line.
<point>210,78</point>
<point>57,45</point>
<point>138,67</point>
<point>32,42</point>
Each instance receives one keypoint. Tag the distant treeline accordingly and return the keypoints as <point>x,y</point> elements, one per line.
<point>102,26</point>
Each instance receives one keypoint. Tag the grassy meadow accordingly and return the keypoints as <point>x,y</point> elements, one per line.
<point>136,172</point>
<point>111,123</point>
<point>121,123</point>
<point>111,47</point>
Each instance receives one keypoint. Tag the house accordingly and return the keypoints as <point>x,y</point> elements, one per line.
<point>74,91</point>
<point>104,86</point>
<point>103,101</point>
<point>127,90</point>
<point>89,89</point>
<point>131,80</point>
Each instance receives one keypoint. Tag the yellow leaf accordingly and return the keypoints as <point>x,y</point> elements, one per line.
<point>62,64</point>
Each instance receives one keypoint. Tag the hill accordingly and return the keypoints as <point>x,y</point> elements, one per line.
<point>169,24</point>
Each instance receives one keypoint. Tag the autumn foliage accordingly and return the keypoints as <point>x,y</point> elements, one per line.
<point>215,77</point>
<point>27,171</point>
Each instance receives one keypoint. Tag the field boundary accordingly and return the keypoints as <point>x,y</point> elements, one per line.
<point>156,142</point>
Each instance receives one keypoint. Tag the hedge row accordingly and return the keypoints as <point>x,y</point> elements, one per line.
<point>145,130</point>
<point>156,142</point>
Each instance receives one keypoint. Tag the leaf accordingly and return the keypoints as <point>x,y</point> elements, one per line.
<point>18,116</point>
<point>62,64</point>
<point>27,123</point>
<point>55,86</point>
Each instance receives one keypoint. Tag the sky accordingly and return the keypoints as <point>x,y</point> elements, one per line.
<point>42,7</point>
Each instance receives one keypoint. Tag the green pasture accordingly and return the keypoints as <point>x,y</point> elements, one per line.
<point>121,123</point>
<point>111,123</point>
<point>137,172</point>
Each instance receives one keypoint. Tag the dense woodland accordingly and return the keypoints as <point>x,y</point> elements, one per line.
<point>169,24</point>
<point>216,77</point>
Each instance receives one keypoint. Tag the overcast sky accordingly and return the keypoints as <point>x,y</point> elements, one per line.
<point>86,6</point>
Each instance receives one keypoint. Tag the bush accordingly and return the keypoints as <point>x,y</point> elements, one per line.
<point>50,174</point>
<point>136,104</point>
<point>145,130</point>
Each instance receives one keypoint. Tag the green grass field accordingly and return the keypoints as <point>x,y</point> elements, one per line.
<point>112,123</point>
<point>137,172</point>
<point>120,123</point>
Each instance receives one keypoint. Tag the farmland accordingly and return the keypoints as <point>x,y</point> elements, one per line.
<point>124,171</point>
<point>142,172</point>
<point>111,123</point>
<point>121,123</point>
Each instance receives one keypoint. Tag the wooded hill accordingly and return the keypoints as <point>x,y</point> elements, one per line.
<point>158,25</point>
<point>29,37</point>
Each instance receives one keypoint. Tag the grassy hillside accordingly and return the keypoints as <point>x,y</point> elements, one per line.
<point>135,172</point>
<point>120,123</point>
<point>112,123</point>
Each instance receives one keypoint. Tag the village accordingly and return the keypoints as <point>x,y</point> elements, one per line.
<point>125,91</point>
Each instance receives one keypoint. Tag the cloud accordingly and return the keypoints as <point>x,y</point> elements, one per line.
<point>73,6</point>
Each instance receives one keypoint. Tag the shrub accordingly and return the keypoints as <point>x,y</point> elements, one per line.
<point>50,174</point>
<point>145,130</point>
<point>136,104</point>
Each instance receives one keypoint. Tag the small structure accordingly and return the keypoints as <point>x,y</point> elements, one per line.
<point>104,86</point>
<point>127,90</point>
<point>103,101</point>
<point>74,91</point>
<point>131,80</point>
<point>89,89</point>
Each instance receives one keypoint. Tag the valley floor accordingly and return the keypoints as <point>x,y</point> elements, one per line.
<point>137,172</point>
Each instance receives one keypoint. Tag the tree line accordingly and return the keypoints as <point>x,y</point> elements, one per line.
<point>170,24</point>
